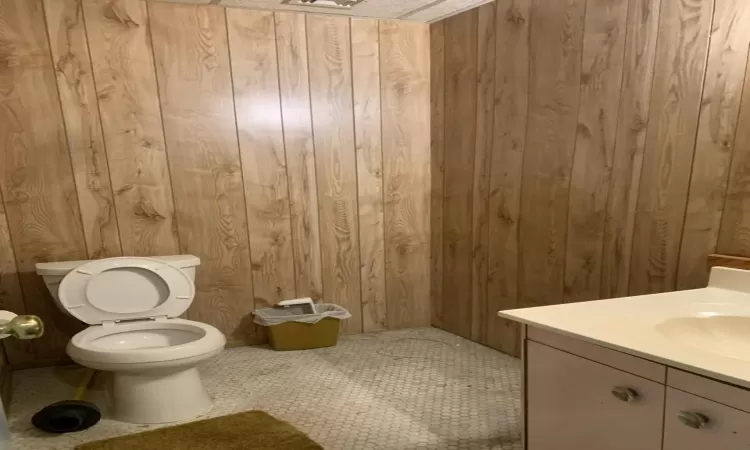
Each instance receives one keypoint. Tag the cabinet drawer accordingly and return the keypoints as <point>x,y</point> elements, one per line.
<point>727,428</point>
<point>570,404</point>
<point>629,363</point>
<point>727,394</point>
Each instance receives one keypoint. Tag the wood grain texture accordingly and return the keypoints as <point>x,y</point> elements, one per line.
<point>368,139</point>
<point>36,179</point>
<point>680,65</point>
<point>482,156</point>
<point>634,114</point>
<point>509,139</point>
<point>405,97</point>
<point>192,61</point>
<point>291,44</point>
<point>601,80</point>
<point>329,47</point>
<point>437,168</point>
<point>734,237</point>
<point>126,88</point>
<point>255,79</point>
<point>556,37</point>
<point>460,138</point>
<point>722,92</point>
<point>11,298</point>
<point>75,82</point>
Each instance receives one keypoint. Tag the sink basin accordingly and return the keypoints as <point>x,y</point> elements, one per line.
<point>727,336</point>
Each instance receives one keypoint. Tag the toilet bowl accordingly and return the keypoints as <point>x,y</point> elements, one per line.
<point>132,306</point>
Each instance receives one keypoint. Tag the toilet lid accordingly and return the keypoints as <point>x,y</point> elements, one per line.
<point>115,289</point>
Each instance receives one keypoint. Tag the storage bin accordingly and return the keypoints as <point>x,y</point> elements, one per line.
<point>288,330</point>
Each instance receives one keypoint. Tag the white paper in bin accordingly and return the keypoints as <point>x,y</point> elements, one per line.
<point>274,316</point>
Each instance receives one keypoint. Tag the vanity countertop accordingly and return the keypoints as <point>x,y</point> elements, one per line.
<point>705,331</point>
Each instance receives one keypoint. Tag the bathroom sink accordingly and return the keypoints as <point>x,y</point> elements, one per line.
<point>722,335</point>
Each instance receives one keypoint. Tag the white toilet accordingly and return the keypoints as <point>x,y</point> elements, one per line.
<point>132,305</point>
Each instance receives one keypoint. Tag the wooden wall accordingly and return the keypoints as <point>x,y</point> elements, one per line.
<point>584,149</point>
<point>289,152</point>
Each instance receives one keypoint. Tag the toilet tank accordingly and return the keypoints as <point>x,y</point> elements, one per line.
<point>52,273</point>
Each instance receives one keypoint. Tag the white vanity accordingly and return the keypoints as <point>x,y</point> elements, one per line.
<point>666,371</point>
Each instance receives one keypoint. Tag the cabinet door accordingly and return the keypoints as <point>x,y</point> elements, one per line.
<point>574,404</point>
<point>695,423</point>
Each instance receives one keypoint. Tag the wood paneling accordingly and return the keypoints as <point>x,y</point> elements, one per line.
<point>258,108</point>
<point>615,127</point>
<point>722,92</point>
<point>329,47</point>
<point>192,62</point>
<point>734,238</point>
<point>601,79</point>
<point>483,154</point>
<point>128,97</point>
<point>633,113</point>
<point>405,98</point>
<point>368,139</point>
<point>556,42</point>
<point>437,168</point>
<point>684,29</point>
<point>509,140</point>
<point>461,93</point>
<point>196,129</point>
<point>36,179</point>
<point>291,42</point>
<point>80,108</point>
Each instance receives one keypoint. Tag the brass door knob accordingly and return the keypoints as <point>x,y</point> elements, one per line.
<point>23,327</point>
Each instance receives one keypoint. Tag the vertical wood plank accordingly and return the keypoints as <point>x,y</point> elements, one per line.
<point>437,169</point>
<point>80,108</point>
<point>131,122</point>
<point>11,298</point>
<point>601,80</point>
<point>511,107</point>
<point>252,44</point>
<point>680,63</point>
<point>36,179</point>
<point>734,238</point>
<point>405,97</point>
<point>483,154</point>
<point>717,125</point>
<point>633,113</point>
<point>556,43</point>
<point>192,61</point>
<point>291,43</point>
<point>460,139</point>
<point>329,47</point>
<point>368,132</point>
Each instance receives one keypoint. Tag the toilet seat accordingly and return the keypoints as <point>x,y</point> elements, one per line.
<point>125,288</point>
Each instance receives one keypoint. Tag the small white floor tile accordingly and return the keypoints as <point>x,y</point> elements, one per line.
<point>407,389</point>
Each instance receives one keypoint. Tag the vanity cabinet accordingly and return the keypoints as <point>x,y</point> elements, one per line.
<point>696,423</point>
<point>574,403</point>
<point>582,396</point>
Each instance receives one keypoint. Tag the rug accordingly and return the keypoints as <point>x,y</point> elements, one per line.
<point>249,430</point>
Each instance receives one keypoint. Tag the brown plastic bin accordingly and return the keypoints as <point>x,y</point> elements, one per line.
<point>288,331</point>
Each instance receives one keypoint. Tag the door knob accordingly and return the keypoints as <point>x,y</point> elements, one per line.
<point>624,394</point>
<point>693,420</point>
<point>21,327</point>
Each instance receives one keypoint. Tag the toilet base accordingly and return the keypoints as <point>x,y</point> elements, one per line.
<point>158,396</point>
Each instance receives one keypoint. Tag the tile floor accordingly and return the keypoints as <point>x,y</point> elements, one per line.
<point>409,389</point>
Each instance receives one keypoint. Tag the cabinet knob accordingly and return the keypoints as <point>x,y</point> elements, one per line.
<point>692,419</point>
<point>624,394</point>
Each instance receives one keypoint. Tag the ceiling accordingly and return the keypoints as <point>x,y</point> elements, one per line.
<point>415,10</point>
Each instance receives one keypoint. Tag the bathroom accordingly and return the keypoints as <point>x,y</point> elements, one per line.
<point>421,164</point>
